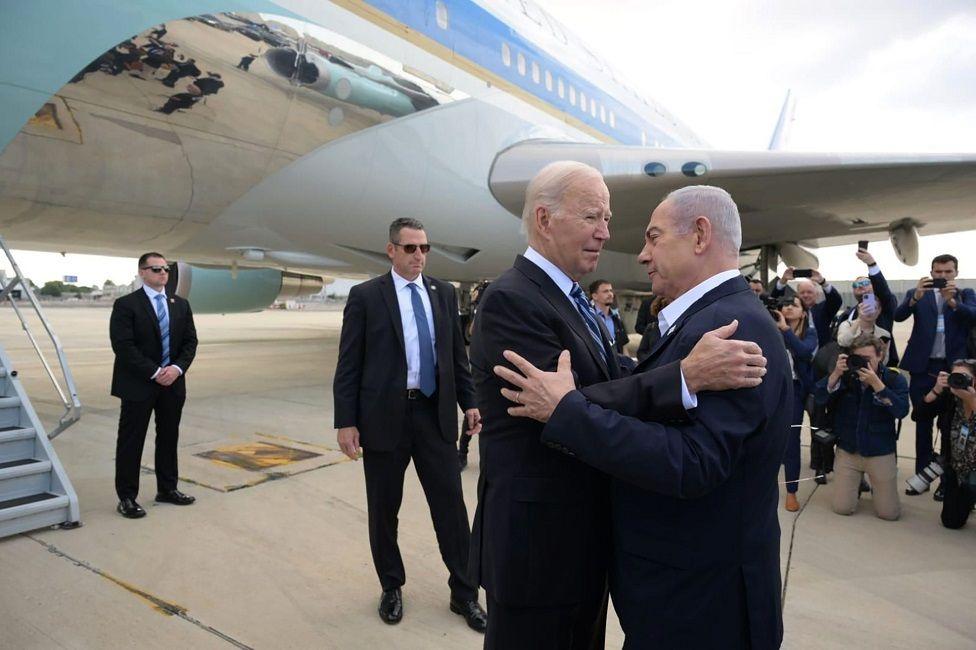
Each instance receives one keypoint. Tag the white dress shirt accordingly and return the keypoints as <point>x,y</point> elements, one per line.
<point>670,315</point>
<point>152,293</point>
<point>411,338</point>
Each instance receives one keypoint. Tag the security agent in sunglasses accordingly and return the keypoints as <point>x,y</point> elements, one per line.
<point>154,341</point>
<point>401,375</point>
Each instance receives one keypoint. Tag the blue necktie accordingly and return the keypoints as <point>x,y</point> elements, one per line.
<point>163,318</point>
<point>583,307</point>
<point>428,380</point>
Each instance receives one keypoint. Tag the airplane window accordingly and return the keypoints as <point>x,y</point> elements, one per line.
<point>441,11</point>
<point>593,108</point>
<point>520,63</point>
<point>582,101</point>
<point>535,72</point>
<point>613,120</point>
<point>506,55</point>
<point>548,81</point>
<point>603,113</point>
<point>572,96</point>
<point>562,88</point>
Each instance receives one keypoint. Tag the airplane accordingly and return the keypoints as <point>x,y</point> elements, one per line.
<point>274,142</point>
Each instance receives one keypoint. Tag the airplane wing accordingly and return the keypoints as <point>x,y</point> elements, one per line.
<point>814,199</point>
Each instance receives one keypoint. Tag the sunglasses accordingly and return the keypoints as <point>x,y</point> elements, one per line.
<point>156,269</point>
<point>410,249</point>
<point>860,284</point>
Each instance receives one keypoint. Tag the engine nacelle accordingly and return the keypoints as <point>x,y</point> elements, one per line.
<point>904,239</point>
<point>221,290</point>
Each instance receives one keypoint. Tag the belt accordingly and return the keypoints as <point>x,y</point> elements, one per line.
<point>416,393</point>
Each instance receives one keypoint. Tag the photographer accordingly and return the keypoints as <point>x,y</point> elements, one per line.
<point>801,343</point>
<point>943,315</point>
<point>865,323</point>
<point>953,401</point>
<point>866,399</point>
<point>875,285</point>
<point>822,313</point>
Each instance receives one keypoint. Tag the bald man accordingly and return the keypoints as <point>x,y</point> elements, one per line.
<point>541,538</point>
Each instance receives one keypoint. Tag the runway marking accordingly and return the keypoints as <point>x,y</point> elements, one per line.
<point>162,606</point>
<point>300,442</point>
<point>256,456</point>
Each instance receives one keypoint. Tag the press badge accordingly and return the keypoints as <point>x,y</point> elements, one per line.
<point>940,325</point>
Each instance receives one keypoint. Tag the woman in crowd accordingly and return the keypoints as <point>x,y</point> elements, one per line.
<point>801,342</point>
<point>956,411</point>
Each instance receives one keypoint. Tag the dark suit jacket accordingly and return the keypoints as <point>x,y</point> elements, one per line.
<point>541,530</point>
<point>370,385</point>
<point>696,534</point>
<point>958,322</point>
<point>135,336</point>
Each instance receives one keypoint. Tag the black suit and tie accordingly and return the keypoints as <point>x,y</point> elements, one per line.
<point>541,537</point>
<point>141,349</point>
<point>695,528</point>
<point>396,425</point>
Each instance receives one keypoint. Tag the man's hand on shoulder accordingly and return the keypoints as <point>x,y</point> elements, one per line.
<point>539,392</point>
<point>348,438</point>
<point>718,363</point>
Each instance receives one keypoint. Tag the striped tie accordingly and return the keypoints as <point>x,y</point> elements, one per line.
<point>583,307</point>
<point>163,317</point>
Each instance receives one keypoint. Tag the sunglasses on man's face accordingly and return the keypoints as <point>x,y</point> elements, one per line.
<point>860,284</point>
<point>410,249</point>
<point>156,269</point>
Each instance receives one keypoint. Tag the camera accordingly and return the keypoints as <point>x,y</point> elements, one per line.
<point>773,305</point>
<point>921,481</point>
<point>802,273</point>
<point>855,362</point>
<point>960,380</point>
<point>862,244</point>
<point>938,283</point>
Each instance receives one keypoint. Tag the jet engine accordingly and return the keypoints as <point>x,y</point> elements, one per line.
<point>904,239</point>
<point>222,290</point>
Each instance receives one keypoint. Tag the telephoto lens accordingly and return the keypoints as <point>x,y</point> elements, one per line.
<point>920,482</point>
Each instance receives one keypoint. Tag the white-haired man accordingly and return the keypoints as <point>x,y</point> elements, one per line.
<point>541,535</point>
<point>695,528</point>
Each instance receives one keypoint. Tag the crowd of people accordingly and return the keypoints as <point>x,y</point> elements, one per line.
<point>851,383</point>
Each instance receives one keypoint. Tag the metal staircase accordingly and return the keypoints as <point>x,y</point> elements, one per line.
<point>34,488</point>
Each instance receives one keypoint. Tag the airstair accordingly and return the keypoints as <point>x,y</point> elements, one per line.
<point>34,489</point>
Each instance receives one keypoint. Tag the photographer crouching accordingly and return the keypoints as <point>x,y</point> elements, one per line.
<point>866,399</point>
<point>953,401</point>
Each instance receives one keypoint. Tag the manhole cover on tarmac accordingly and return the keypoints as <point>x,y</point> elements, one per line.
<point>256,456</point>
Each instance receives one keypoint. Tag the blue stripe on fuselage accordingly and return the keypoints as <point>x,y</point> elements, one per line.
<point>478,35</point>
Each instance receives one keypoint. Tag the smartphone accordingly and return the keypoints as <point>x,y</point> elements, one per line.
<point>939,283</point>
<point>803,273</point>
<point>870,301</point>
<point>863,244</point>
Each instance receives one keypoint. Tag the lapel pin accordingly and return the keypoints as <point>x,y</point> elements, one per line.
<point>433,287</point>
<point>670,331</point>
<point>172,301</point>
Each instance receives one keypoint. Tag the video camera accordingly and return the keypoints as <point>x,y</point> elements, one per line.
<point>773,305</point>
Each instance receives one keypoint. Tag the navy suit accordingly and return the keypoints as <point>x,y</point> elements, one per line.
<point>918,360</point>
<point>541,534</point>
<point>695,527</point>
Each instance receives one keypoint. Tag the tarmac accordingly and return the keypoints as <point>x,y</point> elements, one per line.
<point>275,554</point>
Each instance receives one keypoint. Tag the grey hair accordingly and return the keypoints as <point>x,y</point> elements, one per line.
<point>400,224</point>
<point>549,186</point>
<point>713,203</point>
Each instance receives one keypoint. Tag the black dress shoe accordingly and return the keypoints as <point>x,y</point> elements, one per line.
<point>391,606</point>
<point>175,497</point>
<point>129,509</point>
<point>471,611</point>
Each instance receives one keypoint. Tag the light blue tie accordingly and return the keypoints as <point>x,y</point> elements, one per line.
<point>428,380</point>
<point>586,311</point>
<point>163,318</point>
